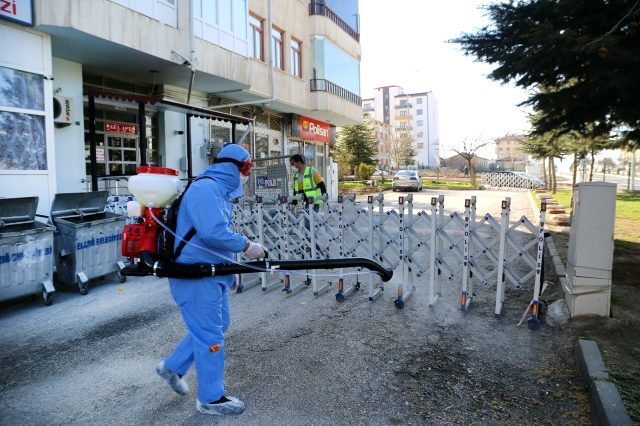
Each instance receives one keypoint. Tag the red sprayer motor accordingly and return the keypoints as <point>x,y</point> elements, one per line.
<point>154,188</point>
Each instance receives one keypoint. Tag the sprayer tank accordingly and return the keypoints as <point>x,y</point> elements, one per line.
<point>155,186</point>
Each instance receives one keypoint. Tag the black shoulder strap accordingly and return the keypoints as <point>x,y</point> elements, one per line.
<point>192,231</point>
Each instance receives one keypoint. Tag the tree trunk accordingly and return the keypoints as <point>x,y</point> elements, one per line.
<point>593,161</point>
<point>472,172</point>
<point>553,173</point>
<point>544,173</point>
<point>575,171</point>
<point>550,188</point>
<point>575,177</point>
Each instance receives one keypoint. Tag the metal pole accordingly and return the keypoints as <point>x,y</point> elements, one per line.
<point>142,132</point>
<point>92,143</point>
<point>189,160</point>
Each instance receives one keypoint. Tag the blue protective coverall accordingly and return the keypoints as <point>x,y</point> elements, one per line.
<point>204,303</point>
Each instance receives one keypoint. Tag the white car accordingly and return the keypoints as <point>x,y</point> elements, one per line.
<point>407,179</point>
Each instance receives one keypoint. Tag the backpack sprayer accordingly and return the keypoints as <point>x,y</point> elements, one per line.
<point>154,189</point>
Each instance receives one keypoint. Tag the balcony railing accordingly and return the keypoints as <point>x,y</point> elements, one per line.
<point>321,85</point>
<point>316,8</point>
<point>400,106</point>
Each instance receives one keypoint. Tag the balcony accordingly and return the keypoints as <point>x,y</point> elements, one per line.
<point>321,85</point>
<point>404,117</point>
<point>403,106</point>
<point>322,9</point>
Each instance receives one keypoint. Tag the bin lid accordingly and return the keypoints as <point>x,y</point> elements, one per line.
<point>17,210</point>
<point>78,203</point>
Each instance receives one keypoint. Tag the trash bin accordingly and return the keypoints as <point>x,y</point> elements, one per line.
<point>87,239</point>
<point>26,251</point>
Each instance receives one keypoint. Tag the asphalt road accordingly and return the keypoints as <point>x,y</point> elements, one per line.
<point>297,359</point>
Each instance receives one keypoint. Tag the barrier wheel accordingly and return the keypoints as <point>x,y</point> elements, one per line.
<point>121,277</point>
<point>84,288</point>
<point>399,303</point>
<point>340,297</point>
<point>47,298</point>
<point>533,323</point>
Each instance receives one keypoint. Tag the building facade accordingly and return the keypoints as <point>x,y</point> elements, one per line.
<point>414,114</point>
<point>91,90</point>
<point>509,153</point>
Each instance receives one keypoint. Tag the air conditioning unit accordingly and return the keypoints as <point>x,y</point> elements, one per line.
<point>62,111</point>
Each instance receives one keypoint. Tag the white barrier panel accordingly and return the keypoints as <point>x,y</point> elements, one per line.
<point>427,249</point>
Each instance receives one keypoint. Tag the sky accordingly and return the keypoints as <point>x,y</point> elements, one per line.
<point>404,43</point>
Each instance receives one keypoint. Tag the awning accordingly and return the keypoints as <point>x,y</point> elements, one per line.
<point>170,106</point>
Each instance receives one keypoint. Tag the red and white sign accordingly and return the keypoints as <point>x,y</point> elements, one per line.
<point>125,129</point>
<point>315,130</point>
<point>20,11</point>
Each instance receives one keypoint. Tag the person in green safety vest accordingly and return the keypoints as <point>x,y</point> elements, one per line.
<point>307,181</point>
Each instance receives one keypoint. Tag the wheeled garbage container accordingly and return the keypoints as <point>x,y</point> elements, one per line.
<point>26,251</point>
<point>87,239</point>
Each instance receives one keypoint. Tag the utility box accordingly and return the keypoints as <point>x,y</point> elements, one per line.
<point>590,257</point>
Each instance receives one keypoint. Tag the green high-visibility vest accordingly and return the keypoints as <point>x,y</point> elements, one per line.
<point>308,185</point>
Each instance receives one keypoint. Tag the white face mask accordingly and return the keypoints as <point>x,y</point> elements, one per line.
<point>244,179</point>
<point>294,169</point>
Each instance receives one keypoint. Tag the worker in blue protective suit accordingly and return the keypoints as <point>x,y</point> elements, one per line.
<point>204,302</point>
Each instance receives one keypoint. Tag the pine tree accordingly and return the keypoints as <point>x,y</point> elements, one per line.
<point>581,58</point>
<point>356,145</point>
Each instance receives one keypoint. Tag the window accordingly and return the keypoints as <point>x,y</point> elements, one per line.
<point>296,57</point>
<point>226,15</point>
<point>420,145</point>
<point>22,131</point>
<point>420,123</point>
<point>256,40</point>
<point>419,100</point>
<point>404,112</point>
<point>207,10</point>
<point>419,112</point>
<point>277,48</point>
<point>240,19</point>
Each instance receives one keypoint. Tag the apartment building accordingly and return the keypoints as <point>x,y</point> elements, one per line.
<point>91,89</point>
<point>509,153</point>
<point>415,114</point>
<point>383,134</point>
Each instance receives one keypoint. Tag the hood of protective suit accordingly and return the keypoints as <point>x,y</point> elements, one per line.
<point>228,174</point>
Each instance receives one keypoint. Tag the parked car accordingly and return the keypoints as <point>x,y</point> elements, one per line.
<point>381,175</point>
<point>407,179</point>
<point>509,179</point>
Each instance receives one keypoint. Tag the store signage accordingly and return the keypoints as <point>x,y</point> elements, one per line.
<point>266,182</point>
<point>20,11</point>
<point>314,130</point>
<point>126,129</point>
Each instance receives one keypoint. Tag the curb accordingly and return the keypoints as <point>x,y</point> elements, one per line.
<point>607,407</point>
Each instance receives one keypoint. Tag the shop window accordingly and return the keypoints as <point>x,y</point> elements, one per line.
<point>22,122</point>
<point>117,141</point>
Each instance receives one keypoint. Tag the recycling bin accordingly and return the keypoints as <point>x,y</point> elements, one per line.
<point>87,239</point>
<point>26,251</point>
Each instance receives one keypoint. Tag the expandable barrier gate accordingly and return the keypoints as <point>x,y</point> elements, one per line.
<point>430,248</point>
<point>511,181</point>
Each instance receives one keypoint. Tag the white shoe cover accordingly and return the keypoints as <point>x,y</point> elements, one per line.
<point>233,406</point>
<point>176,382</point>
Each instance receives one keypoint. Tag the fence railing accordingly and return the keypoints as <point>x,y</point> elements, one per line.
<point>321,85</point>
<point>316,8</point>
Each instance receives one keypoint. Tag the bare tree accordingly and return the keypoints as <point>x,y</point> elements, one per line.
<point>401,150</point>
<point>468,151</point>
